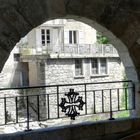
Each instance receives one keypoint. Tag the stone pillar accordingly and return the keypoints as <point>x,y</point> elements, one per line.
<point>136,111</point>
<point>33,79</point>
<point>131,73</point>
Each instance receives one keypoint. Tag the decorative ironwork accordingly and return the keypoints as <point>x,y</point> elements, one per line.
<point>70,106</point>
<point>35,101</point>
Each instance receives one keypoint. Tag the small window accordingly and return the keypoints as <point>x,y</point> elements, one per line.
<point>45,37</point>
<point>78,67</point>
<point>72,37</point>
<point>16,56</point>
<point>99,66</point>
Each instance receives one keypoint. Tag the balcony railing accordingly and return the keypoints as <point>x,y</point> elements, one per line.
<point>71,49</point>
<point>42,103</point>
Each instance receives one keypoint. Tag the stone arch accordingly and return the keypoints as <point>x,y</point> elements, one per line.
<point>119,20</point>
<point>112,18</point>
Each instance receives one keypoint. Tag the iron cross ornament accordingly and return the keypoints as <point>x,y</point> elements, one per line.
<point>74,102</point>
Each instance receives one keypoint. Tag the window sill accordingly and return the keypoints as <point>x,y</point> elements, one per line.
<point>94,76</point>
<point>79,77</point>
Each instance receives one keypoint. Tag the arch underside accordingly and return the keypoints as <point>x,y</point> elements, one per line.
<point>119,20</point>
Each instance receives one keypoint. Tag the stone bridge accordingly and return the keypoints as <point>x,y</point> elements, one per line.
<point>119,20</point>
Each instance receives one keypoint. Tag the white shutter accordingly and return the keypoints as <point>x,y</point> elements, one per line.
<point>81,37</point>
<point>55,37</point>
<point>66,36</point>
<point>38,38</point>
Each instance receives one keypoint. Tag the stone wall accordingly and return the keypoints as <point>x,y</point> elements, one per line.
<point>61,71</point>
<point>10,75</point>
<point>104,130</point>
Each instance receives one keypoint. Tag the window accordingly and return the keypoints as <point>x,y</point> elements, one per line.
<point>16,56</point>
<point>94,66</point>
<point>99,66</point>
<point>72,37</point>
<point>103,66</point>
<point>78,67</point>
<point>45,37</point>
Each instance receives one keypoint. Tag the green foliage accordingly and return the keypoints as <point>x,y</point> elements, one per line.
<point>125,92</point>
<point>102,39</point>
<point>125,79</point>
<point>124,97</point>
<point>121,114</point>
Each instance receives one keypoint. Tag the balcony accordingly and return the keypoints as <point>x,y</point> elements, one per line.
<point>70,51</point>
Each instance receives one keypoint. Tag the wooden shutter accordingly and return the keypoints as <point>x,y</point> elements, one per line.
<point>81,37</point>
<point>66,36</point>
<point>38,38</point>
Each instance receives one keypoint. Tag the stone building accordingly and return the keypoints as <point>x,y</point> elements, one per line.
<point>66,51</point>
<point>62,52</point>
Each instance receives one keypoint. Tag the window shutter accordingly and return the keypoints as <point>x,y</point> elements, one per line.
<point>66,37</point>
<point>81,37</point>
<point>55,37</point>
<point>38,37</point>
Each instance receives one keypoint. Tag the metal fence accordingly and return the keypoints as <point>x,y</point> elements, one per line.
<point>41,103</point>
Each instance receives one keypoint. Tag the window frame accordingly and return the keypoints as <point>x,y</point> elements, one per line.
<point>106,67</point>
<point>99,68</point>
<point>82,66</point>
<point>45,37</point>
<point>73,36</point>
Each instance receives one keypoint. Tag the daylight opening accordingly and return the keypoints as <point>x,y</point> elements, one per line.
<point>64,68</point>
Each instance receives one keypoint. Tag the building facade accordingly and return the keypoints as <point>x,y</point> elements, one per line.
<point>66,51</point>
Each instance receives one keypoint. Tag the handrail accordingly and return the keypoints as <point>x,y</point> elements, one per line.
<point>43,86</point>
<point>45,102</point>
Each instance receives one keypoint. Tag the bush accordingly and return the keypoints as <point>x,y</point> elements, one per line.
<point>102,39</point>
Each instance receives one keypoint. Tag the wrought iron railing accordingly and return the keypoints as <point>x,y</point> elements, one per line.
<point>41,103</point>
